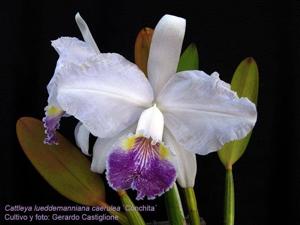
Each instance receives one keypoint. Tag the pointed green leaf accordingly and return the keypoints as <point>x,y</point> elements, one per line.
<point>245,80</point>
<point>245,83</point>
<point>189,59</point>
<point>142,47</point>
<point>63,166</point>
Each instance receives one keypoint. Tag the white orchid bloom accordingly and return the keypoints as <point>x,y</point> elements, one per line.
<point>132,116</point>
<point>70,50</point>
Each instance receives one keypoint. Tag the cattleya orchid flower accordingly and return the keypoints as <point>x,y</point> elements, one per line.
<point>148,130</point>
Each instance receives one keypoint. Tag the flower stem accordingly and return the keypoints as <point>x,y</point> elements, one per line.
<point>229,198</point>
<point>122,219</point>
<point>174,207</point>
<point>132,213</point>
<point>192,206</point>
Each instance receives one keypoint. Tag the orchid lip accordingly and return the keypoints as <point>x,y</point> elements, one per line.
<point>51,124</point>
<point>139,164</point>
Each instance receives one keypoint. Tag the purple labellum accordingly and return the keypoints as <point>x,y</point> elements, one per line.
<point>51,124</point>
<point>142,167</point>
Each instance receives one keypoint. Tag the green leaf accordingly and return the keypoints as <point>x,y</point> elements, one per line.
<point>63,166</point>
<point>245,83</point>
<point>245,80</point>
<point>174,206</point>
<point>189,59</point>
<point>142,47</point>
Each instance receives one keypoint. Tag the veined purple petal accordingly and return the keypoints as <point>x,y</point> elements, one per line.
<point>141,165</point>
<point>51,124</point>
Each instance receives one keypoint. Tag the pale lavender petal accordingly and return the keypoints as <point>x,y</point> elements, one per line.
<point>71,51</point>
<point>107,93</point>
<point>206,114</point>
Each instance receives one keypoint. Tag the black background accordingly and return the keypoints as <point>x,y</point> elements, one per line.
<point>267,177</point>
